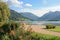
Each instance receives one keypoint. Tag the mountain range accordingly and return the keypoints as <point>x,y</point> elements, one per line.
<point>22,16</point>
<point>52,16</point>
<point>16,16</point>
<point>30,15</point>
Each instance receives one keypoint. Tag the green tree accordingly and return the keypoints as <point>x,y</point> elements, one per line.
<point>4,12</point>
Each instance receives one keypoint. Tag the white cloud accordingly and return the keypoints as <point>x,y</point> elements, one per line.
<point>3,0</point>
<point>40,12</point>
<point>54,8</point>
<point>28,5</point>
<point>16,3</point>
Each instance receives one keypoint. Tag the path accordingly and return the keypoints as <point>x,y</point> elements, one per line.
<point>39,28</point>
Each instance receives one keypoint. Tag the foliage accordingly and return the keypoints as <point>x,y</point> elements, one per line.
<point>57,29</point>
<point>17,16</point>
<point>4,12</point>
<point>13,31</point>
<point>44,36</point>
<point>18,33</point>
<point>50,26</point>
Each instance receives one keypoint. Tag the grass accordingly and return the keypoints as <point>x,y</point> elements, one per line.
<point>46,37</point>
<point>57,29</point>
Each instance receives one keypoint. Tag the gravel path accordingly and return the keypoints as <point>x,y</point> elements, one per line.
<point>39,29</point>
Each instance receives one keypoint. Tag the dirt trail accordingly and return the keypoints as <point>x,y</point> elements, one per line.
<point>39,28</point>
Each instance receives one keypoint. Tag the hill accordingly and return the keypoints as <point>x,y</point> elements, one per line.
<point>29,15</point>
<point>53,16</point>
<point>16,16</point>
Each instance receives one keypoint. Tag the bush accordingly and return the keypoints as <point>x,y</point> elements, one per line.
<point>50,26</point>
<point>7,27</point>
<point>10,28</point>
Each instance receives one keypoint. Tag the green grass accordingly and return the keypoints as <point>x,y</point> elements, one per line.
<point>46,37</point>
<point>57,29</point>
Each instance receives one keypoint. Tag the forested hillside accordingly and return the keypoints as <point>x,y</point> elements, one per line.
<point>16,16</point>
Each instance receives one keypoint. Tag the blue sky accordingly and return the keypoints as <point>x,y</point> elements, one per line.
<point>37,7</point>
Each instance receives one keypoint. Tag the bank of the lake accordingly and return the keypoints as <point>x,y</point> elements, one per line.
<point>57,23</point>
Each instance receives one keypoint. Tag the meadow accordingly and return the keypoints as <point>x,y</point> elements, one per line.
<point>57,29</point>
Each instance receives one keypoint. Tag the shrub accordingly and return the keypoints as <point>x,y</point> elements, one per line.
<point>14,26</point>
<point>7,27</point>
<point>50,26</point>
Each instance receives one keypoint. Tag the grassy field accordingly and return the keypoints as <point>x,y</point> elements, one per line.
<point>57,29</point>
<point>45,36</point>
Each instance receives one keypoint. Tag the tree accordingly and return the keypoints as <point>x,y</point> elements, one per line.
<point>4,12</point>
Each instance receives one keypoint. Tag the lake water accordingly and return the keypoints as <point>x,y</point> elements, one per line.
<point>41,22</point>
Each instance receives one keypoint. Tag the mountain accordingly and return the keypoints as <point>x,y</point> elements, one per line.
<point>29,15</point>
<point>16,16</point>
<point>55,16</point>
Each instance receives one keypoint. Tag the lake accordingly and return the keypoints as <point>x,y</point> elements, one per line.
<point>41,22</point>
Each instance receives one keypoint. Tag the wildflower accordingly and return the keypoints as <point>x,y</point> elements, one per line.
<point>11,32</point>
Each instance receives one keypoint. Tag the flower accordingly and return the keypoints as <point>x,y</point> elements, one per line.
<point>11,32</point>
<point>20,36</point>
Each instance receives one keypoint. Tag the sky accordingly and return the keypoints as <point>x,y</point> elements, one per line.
<point>37,7</point>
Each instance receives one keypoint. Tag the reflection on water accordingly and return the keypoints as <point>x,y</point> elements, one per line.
<point>41,22</point>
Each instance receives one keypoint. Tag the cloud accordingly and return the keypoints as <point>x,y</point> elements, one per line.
<point>16,3</point>
<point>41,12</point>
<point>54,8</point>
<point>3,0</point>
<point>28,5</point>
<point>38,12</point>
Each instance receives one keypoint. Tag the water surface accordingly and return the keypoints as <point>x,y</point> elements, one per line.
<point>41,22</point>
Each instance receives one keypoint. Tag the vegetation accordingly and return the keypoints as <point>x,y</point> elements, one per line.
<point>50,26</point>
<point>15,31</point>
<point>44,36</point>
<point>17,16</point>
<point>57,29</point>
<point>4,13</point>
<point>11,30</point>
